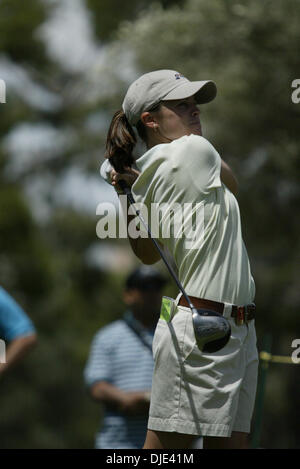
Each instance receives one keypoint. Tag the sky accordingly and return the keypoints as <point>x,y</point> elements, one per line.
<point>70,25</point>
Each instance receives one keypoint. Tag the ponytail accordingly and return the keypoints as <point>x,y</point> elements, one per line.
<point>120,142</point>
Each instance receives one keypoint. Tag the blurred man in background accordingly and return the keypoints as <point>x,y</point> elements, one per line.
<point>119,369</point>
<point>16,330</point>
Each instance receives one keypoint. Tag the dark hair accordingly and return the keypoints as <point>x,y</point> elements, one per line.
<point>144,278</point>
<point>121,140</point>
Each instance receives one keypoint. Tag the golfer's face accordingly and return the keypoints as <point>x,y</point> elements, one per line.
<point>179,117</point>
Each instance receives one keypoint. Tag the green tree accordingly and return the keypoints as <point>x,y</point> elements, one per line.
<point>110,13</point>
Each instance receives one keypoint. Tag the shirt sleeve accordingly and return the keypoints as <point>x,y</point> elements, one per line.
<point>197,165</point>
<point>98,367</point>
<point>189,165</point>
<point>13,320</point>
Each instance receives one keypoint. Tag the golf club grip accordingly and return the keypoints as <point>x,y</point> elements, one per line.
<point>126,189</point>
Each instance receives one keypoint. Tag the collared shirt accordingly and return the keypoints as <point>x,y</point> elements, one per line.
<point>13,320</point>
<point>209,252</point>
<point>121,357</point>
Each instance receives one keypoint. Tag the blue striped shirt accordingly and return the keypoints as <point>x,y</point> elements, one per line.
<point>120,357</point>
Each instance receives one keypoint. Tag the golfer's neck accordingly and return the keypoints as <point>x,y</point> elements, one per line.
<point>154,140</point>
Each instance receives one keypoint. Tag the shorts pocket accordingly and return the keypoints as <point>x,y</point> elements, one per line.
<point>160,330</point>
<point>183,333</point>
<point>189,339</point>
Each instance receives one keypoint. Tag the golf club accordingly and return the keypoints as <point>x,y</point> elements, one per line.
<point>212,330</point>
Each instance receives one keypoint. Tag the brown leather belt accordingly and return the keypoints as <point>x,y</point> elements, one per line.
<point>241,314</point>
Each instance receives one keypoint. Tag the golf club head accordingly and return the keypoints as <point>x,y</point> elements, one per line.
<point>212,330</point>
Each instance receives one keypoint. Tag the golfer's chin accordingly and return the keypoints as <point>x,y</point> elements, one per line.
<point>195,129</point>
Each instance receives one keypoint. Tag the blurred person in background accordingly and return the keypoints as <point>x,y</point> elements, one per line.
<point>16,330</point>
<point>120,365</point>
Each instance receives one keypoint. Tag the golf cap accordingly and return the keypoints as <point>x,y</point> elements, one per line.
<point>144,278</point>
<point>147,91</point>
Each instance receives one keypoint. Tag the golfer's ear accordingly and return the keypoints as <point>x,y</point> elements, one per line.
<point>148,120</point>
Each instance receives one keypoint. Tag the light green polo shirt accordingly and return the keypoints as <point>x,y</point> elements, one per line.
<point>210,254</point>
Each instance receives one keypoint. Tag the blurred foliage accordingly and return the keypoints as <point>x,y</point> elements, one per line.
<point>17,26</point>
<point>109,13</point>
<point>251,50</point>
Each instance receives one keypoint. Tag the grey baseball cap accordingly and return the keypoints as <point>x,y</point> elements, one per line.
<point>148,90</point>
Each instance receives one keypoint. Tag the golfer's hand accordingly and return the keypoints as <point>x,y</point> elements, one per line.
<point>129,177</point>
<point>134,403</point>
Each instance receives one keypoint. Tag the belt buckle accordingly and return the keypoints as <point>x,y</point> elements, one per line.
<point>240,317</point>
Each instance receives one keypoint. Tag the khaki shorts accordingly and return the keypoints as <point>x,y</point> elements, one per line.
<point>195,393</point>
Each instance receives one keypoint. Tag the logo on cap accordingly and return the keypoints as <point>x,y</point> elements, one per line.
<point>178,76</point>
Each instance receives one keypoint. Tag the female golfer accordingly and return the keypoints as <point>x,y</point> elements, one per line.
<point>194,393</point>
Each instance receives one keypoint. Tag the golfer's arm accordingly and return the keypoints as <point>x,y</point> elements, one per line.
<point>143,248</point>
<point>228,178</point>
